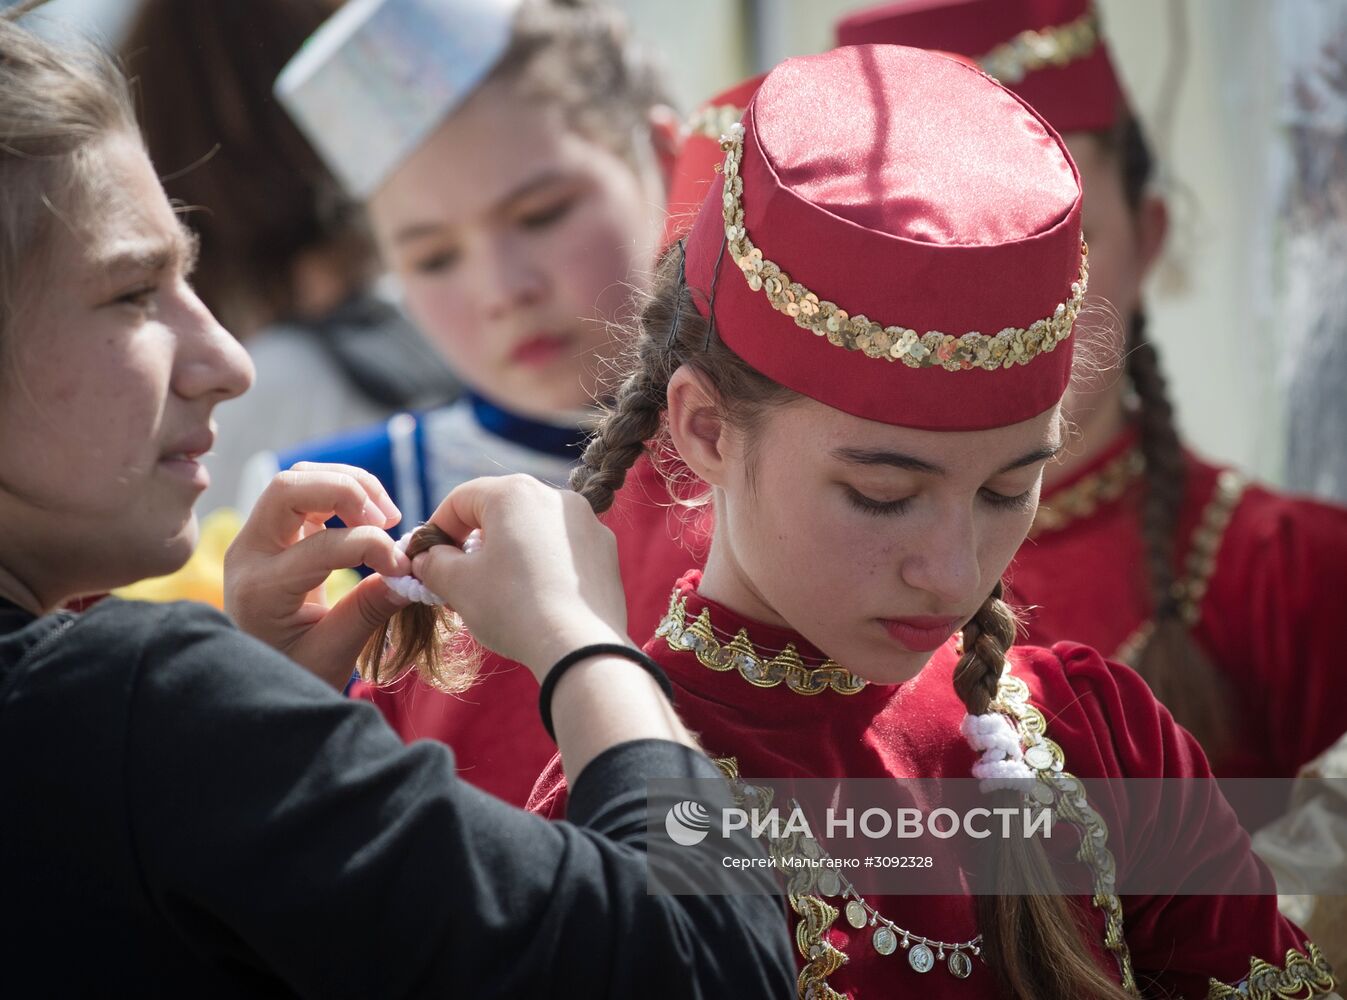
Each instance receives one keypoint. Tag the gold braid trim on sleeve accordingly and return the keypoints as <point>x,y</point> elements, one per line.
<point>1303,976</point>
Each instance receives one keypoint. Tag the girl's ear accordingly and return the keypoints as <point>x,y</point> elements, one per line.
<point>665,137</point>
<point>696,427</point>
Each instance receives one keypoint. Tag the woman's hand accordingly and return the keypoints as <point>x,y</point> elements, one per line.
<point>274,570</point>
<point>544,581</point>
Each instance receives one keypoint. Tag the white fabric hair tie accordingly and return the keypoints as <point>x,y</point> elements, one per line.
<point>412,589</point>
<point>1002,764</point>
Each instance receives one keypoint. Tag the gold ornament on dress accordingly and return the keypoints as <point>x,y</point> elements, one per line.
<point>1199,565</point>
<point>1012,346</point>
<point>1082,499</point>
<point>713,121</point>
<point>1065,793</point>
<point>699,637</point>
<point>1030,50</point>
<point>806,891</point>
<point>1301,977</point>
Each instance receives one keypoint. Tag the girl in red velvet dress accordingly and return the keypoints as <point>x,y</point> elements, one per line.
<point>1217,590</point>
<point>861,350</point>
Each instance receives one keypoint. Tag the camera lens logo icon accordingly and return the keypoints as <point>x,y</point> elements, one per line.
<point>687,823</point>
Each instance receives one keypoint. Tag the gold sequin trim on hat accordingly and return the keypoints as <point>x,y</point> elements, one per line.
<point>1030,51</point>
<point>1082,499</point>
<point>1302,976</point>
<point>1065,793</point>
<point>1012,346</point>
<point>713,121</point>
<point>699,637</point>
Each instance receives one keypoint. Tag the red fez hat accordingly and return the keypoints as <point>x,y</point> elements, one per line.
<point>897,236</point>
<point>1050,52</point>
<point>695,166</point>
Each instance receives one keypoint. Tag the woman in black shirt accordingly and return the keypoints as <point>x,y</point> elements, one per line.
<point>183,810</point>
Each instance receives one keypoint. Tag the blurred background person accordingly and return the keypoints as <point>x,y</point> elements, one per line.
<point>512,156</point>
<point>286,260</point>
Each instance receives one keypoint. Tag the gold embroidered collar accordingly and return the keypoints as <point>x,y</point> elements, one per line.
<point>699,637</point>
<point>1082,498</point>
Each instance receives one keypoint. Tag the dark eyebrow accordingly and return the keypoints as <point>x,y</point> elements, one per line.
<point>908,463</point>
<point>896,459</point>
<point>1037,455</point>
<point>419,230</point>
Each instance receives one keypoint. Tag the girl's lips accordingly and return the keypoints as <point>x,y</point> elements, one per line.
<point>540,350</point>
<point>921,634</point>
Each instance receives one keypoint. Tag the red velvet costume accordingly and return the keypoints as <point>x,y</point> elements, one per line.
<point>840,211</point>
<point>1107,724</point>
<point>1261,574</point>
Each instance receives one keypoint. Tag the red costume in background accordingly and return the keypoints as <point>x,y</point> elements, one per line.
<point>1258,570</point>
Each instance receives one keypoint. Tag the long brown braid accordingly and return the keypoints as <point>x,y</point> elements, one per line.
<point>1034,943</point>
<point>1178,670</point>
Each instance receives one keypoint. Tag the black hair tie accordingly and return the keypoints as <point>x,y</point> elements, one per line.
<point>617,649</point>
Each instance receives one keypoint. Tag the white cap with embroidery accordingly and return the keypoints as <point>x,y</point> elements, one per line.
<point>380,75</point>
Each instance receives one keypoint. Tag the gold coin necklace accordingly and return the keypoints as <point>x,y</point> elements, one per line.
<point>922,952</point>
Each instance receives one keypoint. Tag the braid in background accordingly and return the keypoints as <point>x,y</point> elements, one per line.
<point>1034,943</point>
<point>1177,669</point>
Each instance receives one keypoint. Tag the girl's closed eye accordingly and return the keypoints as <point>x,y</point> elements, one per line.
<point>874,506</point>
<point>1019,501</point>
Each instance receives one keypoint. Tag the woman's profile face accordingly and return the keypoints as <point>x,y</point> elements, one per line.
<point>111,371</point>
<point>875,542</point>
<point>516,241</point>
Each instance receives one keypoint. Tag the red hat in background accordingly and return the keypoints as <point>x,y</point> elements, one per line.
<point>897,236</point>
<point>695,166</point>
<point>1050,52</point>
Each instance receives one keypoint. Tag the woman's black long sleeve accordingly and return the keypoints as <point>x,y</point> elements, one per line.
<point>186,812</point>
